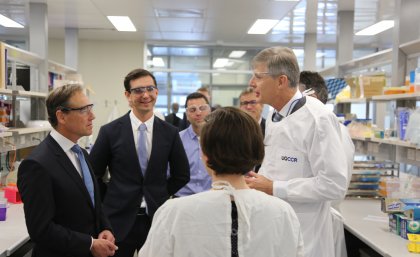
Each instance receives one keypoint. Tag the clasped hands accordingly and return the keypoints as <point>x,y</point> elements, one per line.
<point>104,245</point>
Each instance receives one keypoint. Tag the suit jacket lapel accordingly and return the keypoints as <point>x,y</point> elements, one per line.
<point>64,161</point>
<point>128,140</point>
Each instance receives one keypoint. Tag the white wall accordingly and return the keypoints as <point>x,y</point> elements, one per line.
<point>103,66</point>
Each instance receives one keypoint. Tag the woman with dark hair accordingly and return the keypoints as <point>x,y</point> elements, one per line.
<point>230,219</point>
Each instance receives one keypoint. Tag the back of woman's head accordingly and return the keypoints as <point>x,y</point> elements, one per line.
<point>232,141</point>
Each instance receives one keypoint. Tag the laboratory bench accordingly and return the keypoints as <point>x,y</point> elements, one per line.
<point>13,232</point>
<point>362,218</point>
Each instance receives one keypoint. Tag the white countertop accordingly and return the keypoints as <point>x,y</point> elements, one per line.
<point>364,219</point>
<point>13,232</point>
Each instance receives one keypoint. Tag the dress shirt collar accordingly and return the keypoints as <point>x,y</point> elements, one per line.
<point>135,122</point>
<point>65,143</point>
<point>191,133</point>
<point>287,109</point>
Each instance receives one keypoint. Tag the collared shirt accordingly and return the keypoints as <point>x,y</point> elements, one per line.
<point>66,144</point>
<point>199,178</point>
<point>287,109</point>
<point>135,123</point>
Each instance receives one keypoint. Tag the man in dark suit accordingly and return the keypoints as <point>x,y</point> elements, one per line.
<point>248,103</point>
<point>137,148</point>
<point>62,207</point>
<point>172,118</point>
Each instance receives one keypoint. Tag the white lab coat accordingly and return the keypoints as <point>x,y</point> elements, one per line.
<point>200,225</point>
<point>305,158</point>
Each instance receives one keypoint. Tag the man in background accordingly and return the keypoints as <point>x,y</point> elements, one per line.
<point>248,103</point>
<point>197,108</point>
<point>62,203</point>
<point>173,118</point>
<point>137,149</point>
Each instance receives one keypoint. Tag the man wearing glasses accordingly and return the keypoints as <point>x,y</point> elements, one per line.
<point>62,203</point>
<point>305,162</point>
<point>137,149</point>
<point>197,108</point>
<point>248,103</point>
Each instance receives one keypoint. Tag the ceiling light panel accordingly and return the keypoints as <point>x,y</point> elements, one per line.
<point>376,28</point>
<point>122,23</point>
<point>262,26</point>
<point>9,23</point>
<point>237,54</point>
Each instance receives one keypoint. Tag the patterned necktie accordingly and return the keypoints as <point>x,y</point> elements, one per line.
<point>142,148</point>
<point>276,117</point>
<point>87,178</point>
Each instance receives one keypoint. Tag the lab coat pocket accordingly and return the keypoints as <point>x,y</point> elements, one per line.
<point>290,163</point>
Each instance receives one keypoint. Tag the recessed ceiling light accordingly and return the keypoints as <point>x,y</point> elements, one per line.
<point>262,26</point>
<point>9,23</point>
<point>236,54</point>
<point>158,62</point>
<point>376,28</point>
<point>220,62</point>
<point>122,23</point>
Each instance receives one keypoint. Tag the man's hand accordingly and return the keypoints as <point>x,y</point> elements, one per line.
<point>107,235</point>
<point>103,248</point>
<point>259,182</point>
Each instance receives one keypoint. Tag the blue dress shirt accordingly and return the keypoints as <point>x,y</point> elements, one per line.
<point>199,178</point>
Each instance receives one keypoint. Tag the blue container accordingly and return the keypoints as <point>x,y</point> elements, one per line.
<point>2,213</point>
<point>403,116</point>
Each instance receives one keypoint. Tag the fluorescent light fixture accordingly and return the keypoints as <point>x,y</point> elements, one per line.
<point>220,62</point>
<point>376,28</point>
<point>262,26</point>
<point>158,62</point>
<point>9,23</point>
<point>236,54</point>
<point>122,23</point>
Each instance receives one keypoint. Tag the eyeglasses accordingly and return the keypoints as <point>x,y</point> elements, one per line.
<point>83,110</point>
<point>142,90</point>
<point>244,103</point>
<point>260,75</point>
<point>201,108</point>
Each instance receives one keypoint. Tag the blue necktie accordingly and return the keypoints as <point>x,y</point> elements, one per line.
<point>142,148</point>
<point>276,117</point>
<point>87,178</point>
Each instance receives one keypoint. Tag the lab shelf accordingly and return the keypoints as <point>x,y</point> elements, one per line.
<point>408,96</point>
<point>411,48</point>
<point>354,100</point>
<point>60,68</point>
<point>22,93</point>
<point>376,59</point>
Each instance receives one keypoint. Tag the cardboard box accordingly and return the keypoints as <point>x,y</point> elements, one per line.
<point>409,226</point>
<point>413,214</point>
<point>366,86</point>
<point>393,205</point>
